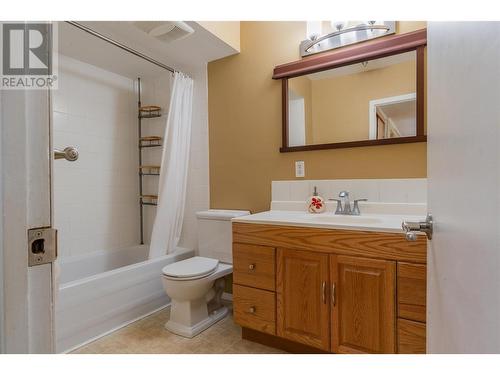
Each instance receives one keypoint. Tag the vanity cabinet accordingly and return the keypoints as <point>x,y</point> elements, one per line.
<point>329,290</point>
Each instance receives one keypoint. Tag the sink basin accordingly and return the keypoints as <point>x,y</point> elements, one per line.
<point>339,219</point>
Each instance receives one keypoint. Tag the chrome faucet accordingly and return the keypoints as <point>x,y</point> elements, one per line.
<point>344,204</point>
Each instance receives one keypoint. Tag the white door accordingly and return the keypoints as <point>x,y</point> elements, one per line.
<point>463,60</point>
<point>26,159</point>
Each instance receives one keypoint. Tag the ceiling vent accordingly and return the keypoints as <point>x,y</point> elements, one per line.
<point>166,31</point>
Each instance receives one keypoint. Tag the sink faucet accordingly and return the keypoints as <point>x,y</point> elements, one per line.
<point>344,204</point>
<point>344,196</point>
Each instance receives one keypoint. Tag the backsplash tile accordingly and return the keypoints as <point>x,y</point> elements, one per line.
<point>299,191</point>
<point>280,190</point>
<point>409,190</point>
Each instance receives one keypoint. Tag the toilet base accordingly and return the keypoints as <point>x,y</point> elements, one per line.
<point>191,331</point>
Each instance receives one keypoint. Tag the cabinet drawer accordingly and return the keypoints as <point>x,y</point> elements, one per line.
<point>255,308</point>
<point>411,337</point>
<point>254,266</point>
<point>412,286</point>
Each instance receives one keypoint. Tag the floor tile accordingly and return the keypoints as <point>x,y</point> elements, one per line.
<point>148,336</point>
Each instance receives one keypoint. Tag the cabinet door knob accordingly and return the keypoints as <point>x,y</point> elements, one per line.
<point>251,310</point>
<point>333,294</point>
<point>251,266</point>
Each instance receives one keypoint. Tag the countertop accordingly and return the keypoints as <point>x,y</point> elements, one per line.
<point>365,222</point>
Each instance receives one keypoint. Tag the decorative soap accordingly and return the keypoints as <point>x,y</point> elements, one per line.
<point>316,204</point>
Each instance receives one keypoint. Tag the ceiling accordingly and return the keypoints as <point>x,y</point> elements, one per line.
<point>359,67</point>
<point>401,109</point>
<point>187,55</point>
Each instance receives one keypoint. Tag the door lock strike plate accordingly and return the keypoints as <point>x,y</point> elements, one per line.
<point>42,246</point>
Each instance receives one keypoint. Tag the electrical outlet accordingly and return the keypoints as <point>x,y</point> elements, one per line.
<point>300,169</point>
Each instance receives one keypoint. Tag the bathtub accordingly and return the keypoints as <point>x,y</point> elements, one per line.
<point>106,290</point>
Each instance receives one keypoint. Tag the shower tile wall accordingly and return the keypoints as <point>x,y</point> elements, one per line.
<point>95,198</point>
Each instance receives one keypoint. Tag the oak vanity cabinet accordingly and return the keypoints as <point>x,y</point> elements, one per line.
<point>329,290</point>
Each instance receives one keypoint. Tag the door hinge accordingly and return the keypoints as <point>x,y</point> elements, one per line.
<point>42,246</point>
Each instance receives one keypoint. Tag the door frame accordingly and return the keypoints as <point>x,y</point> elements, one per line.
<point>372,109</point>
<point>28,292</point>
<point>2,329</point>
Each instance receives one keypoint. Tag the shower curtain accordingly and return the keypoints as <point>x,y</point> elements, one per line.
<point>174,169</point>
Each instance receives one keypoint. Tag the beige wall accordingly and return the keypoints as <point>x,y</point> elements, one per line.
<point>227,31</point>
<point>245,126</point>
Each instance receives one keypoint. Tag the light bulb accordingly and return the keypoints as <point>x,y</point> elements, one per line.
<point>313,29</point>
<point>338,25</point>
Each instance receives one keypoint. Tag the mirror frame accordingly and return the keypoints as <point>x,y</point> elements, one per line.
<point>383,47</point>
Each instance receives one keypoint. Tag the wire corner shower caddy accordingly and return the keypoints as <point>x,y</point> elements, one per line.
<point>146,112</point>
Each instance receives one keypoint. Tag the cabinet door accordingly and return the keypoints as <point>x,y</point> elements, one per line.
<point>303,309</point>
<point>363,300</point>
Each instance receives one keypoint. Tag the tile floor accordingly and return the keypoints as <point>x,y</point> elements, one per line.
<point>148,336</point>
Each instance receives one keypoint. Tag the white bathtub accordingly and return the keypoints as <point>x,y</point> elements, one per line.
<point>105,290</point>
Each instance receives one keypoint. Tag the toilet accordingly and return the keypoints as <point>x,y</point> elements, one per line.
<point>195,285</point>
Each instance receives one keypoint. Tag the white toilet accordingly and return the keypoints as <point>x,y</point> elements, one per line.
<point>195,285</point>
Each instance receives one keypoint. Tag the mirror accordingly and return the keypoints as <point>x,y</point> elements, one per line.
<point>369,100</point>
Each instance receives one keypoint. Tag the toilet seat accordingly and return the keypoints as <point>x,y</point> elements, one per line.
<point>190,269</point>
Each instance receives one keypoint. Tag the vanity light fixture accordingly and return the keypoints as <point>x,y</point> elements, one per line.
<point>343,35</point>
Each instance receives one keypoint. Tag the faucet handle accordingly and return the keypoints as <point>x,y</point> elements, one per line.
<point>344,194</point>
<point>339,205</point>
<point>355,209</point>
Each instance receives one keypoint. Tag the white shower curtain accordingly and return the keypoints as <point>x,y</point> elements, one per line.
<point>174,169</point>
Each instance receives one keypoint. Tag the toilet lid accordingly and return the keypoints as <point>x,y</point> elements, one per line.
<point>192,267</point>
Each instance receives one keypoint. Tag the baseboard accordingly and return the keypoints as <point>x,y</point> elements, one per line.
<point>279,342</point>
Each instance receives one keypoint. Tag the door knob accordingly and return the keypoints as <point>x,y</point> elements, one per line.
<point>70,153</point>
<point>411,228</point>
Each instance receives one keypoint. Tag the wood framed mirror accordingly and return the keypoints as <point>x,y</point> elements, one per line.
<point>364,95</point>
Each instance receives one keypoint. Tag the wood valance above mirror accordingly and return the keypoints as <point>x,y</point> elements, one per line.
<point>390,110</point>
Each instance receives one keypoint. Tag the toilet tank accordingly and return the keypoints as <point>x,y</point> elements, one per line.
<point>215,233</point>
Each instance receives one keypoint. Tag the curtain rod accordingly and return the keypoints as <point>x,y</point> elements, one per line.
<point>120,45</point>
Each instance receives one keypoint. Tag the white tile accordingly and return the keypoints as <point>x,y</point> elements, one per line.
<point>417,190</point>
<point>299,190</point>
<point>375,190</point>
<point>202,196</point>
<point>324,188</point>
<point>336,187</point>
<point>280,190</point>
<point>363,189</point>
<point>394,190</point>
<point>59,120</point>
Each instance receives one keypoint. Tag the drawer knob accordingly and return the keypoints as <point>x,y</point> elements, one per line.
<point>251,310</point>
<point>251,266</point>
